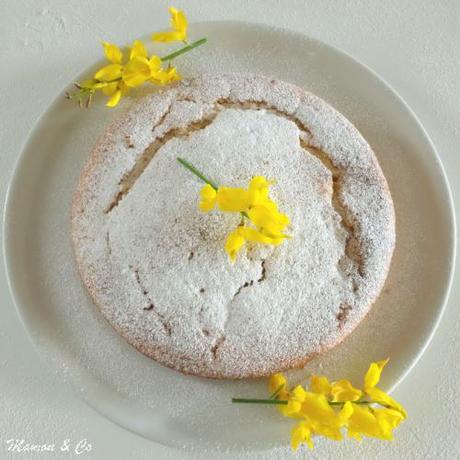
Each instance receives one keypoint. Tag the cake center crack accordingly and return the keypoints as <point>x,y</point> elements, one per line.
<point>150,304</point>
<point>352,247</point>
<point>220,339</point>
<point>129,179</point>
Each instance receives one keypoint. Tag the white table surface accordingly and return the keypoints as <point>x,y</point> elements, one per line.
<point>414,45</point>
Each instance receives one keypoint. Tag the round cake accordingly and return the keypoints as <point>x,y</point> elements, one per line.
<point>155,264</point>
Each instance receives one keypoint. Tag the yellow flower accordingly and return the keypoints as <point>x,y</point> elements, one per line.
<point>115,99</point>
<point>110,76</point>
<point>115,91</point>
<point>388,420</point>
<point>316,408</point>
<point>291,409</point>
<point>116,78</point>
<point>262,212</point>
<point>109,72</point>
<point>135,67</point>
<point>372,376</point>
<point>237,238</point>
<point>320,384</point>
<point>295,399</point>
<point>268,220</point>
<point>328,427</point>
<point>301,433</point>
<point>319,410</point>
<point>141,69</point>
<point>234,243</point>
<point>233,199</point>
<point>383,399</point>
<point>343,390</point>
<point>258,189</point>
<point>279,385</point>
<point>162,77</point>
<point>178,26</point>
<point>208,199</point>
<point>364,422</point>
<point>251,234</point>
<point>113,70</point>
<point>252,203</point>
<point>345,413</point>
<point>137,50</point>
<point>136,72</point>
<point>319,414</point>
<point>112,53</point>
<point>331,432</point>
<point>275,382</point>
<point>371,379</point>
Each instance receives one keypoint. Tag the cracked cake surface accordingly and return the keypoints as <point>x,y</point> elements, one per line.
<point>155,265</point>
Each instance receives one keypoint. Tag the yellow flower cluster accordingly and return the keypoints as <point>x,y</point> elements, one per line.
<point>327,407</point>
<point>136,67</point>
<point>117,77</point>
<point>256,207</point>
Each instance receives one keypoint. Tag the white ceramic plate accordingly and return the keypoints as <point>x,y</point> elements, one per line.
<point>159,403</point>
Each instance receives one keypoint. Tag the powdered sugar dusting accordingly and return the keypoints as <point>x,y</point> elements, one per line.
<point>156,266</point>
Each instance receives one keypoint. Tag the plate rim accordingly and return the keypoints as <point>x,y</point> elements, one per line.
<point>13,185</point>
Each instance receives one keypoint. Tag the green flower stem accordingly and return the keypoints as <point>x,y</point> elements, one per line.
<point>284,402</point>
<point>197,173</point>
<point>185,49</point>
<point>341,403</point>
<point>281,402</point>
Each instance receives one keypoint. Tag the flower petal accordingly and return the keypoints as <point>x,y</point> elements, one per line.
<point>178,30</point>
<point>208,197</point>
<point>372,376</point>
<point>345,413</point>
<point>301,433</point>
<point>269,220</point>
<point>363,421</point>
<point>343,390</point>
<point>317,409</point>
<point>388,420</point>
<point>108,72</point>
<point>276,381</point>
<point>137,50</point>
<point>234,243</point>
<point>179,22</point>
<point>112,52</point>
<point>232,199</point>
<point>163,77</point>
<point>320,384</point>
<point>331,432</point>
<point>298,393</point>
<point>136,72</point>
<point>250,234</point>
<point>155,63</point>
<point>115,99</point>
<point>379,396</point>
<point>110,88</point>
<point>167,36</point>
<point>258,187</point>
